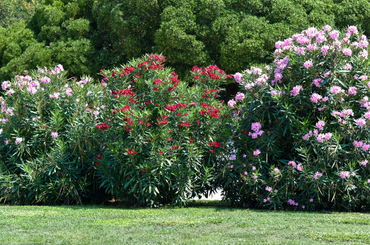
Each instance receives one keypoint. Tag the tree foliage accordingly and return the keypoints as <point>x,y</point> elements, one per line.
<point>231,33</point>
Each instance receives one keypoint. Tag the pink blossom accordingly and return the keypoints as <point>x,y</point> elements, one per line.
<point>5,85</point>
<point>334,34</point>
<point>367,115</point>
<point>317,82</point>
<point>315,98</point>
<point>358,143</point>
<point>239,96</point>
<point>317,175</point>
<point>365,147</point>
<point>363,77</point>
<point>46,80</point>
<point>54,134</point>
<point>292,163</point>
<point>327,28</point>
<point>231,103</point>
<point>352,30</point>
<point>256,152</point>
<point>233,157</point>
<point>308,64</point>
<point>299,167</point>
<point>296,90</point>
<point>268,188</point>
<point>320,125</point>
<point>278,76</point>
<point>238,77</point>
<point>364,54</point>
<point>363,163</point>
<point>336,90</point>
<point>278,44</point>
<point>347,51</point>
<point>256,126</point>
<point>344,174</point>
<point>360,122</point>
<point>255,176</point>
<point>352,90</point>
<point>18,141</point>
<point>311,200</point>
<point>244,156</point>
<point>325,49</point>
<point>276,170</point>
<point>245,173</point>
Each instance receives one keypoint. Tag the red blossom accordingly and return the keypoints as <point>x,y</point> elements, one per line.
<point>102,126</point>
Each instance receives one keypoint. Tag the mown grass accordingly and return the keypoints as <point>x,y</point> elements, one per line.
<point>198,224</point>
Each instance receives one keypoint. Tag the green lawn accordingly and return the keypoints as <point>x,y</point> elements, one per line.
<point>193,225</point>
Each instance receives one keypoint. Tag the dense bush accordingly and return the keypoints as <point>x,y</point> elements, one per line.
<point>163,140</point>
<point>302,135</point>
<point>48,140</point>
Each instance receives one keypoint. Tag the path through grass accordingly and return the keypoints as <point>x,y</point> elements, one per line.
<point>193,225</point>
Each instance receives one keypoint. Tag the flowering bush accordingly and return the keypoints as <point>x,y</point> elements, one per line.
<point>302,125</point>
<point>48,139</point>
<point>163,141</point>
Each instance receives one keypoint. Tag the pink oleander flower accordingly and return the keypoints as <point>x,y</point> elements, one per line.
<point>344,174</point>
<point>352,90</point>
<point>238,77</point>
<point>278,76</point>
<point>347,67</point>
<point>256,152</point>
<point>364,54</point>
<point>5,85</point>
<point>352,29</point>
<point>18,141</point>
<point>256,126</point>
<point>358,143</point>
<point>278,44</point>
<point>231,103</point>
<point>320,125</point>
<point>295,91</point>
<point>54,134</point>
<point>363,77</point>
<point>46,80</point>
<point>334,34</point>
<point>311,200</point>
<point>317,175</point>
<point>361,122</point>
<point>317,82</point>
<point>347,51</point>
<point>245,173</point>
<point>244,156</point>
<point>253,168</point>
<point>315,98</point>
<point>363,163</point>
<point>293,164</point>
<point>336,90</point>
<point>365,147</point>
<point>268,188</point>
<point>299,167</point>
<point>239,96</point>
<point>308,64</point>
<point>233,157</point>
<point>327,28</point>
<point>276,170</point>
<point>255,176</point>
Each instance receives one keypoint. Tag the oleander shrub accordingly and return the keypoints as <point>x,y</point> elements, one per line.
<point>163,141</point>
<point>302,126</point>
<point>48,140</point>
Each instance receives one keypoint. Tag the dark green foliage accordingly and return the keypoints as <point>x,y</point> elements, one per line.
<point>232,33</point>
